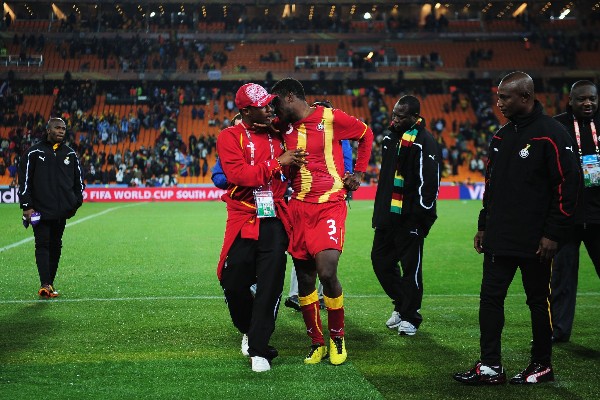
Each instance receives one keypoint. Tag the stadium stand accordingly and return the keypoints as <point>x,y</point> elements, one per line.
<point>146,78</point>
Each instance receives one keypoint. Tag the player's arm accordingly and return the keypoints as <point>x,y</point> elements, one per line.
<point>349,127</point>
<point>78,185</point>
<point>239,171</point>
<point>26,172</point>
<point>428,173</point>
<point>565,175</point>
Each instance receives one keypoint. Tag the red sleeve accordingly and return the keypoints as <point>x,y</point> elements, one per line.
<point>349,127</point>
<point>231,147</point>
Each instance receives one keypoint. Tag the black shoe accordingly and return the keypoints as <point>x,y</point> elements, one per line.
<point>482,374</point>
<point>293,302</point>
<point>271,353</point>
<point>534,373</point>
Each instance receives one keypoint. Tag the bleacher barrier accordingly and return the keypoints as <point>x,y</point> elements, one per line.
<point>36,60</point>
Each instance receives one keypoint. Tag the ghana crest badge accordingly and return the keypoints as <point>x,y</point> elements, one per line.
<point>524,151</point>
<point>67,162</point>
<point>321,125</point>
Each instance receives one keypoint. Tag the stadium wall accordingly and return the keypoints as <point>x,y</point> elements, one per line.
<point>10,195</point>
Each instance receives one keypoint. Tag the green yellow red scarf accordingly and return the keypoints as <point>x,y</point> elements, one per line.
<point>406,141</point>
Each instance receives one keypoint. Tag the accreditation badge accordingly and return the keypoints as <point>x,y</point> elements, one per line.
<point>591,170</point>
<point>265,205</point>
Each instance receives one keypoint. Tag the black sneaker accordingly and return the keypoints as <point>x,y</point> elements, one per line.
<point>534,373</point>
<point>293,302</point>
<point>482,374</point>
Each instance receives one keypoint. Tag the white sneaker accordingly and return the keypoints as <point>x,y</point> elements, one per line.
<point>406,328</point>
<point>245,345</point>
<point>260,364</point>
<point>394,320</point>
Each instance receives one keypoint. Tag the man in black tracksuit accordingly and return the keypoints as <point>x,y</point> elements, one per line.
<point>581,121</point>
<point>531,190</point>
<point>404,211</point>
<point>50,183</point>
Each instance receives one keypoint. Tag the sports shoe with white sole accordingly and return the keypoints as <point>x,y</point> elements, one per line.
<point>245,345</point>
<point>534,373</point>
<point>482,374</point>
<point>260,364</point>
<point>406,328</point>
<point>394,320</point>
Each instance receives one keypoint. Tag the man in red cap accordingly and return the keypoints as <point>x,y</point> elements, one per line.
<point>255,235</point>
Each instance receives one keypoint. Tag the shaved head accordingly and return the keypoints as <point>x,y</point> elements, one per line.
<point>516,95</point>
<point>519,81</point>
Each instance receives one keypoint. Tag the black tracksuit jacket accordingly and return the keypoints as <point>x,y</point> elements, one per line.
<point>421,172</point>
<point>588,211</point>
<point>50,182</point>
<point>532,185</point>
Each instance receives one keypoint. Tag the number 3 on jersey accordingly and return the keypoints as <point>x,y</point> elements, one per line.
<point>332,230</point>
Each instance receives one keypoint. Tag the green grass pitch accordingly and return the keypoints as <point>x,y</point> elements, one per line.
<point>142,316</point>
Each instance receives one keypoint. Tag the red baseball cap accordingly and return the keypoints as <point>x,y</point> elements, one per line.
<point>252,95</point>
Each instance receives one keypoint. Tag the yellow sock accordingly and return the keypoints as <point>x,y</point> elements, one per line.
<point>311,298</point>
<point>334,303</point>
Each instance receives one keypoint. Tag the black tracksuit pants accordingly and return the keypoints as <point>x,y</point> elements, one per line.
<point>48,246</point>
<point>263,262</point>
<point>498,273</point>
<point>405,287</point>
<point>565,271</point>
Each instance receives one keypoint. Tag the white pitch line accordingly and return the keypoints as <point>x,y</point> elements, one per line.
<point>168,298</point>
<point>29,239</point>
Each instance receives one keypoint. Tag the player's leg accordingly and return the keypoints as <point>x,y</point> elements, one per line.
<point>384,259</point>
<point>292,300</point>
<point>309,302</point>
<point>42,233</point>
<point>56,234</point>
<point>237,276</point>
<point>270,274</point>
<point>565,270</point>
<point>591,238</point>
<point>498,273</point>
<point>327,262</point>
<point>410,249</point>
<point>536,277</point>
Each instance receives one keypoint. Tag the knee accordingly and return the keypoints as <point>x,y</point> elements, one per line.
<point>328,276</point>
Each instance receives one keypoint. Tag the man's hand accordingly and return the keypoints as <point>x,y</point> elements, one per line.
<point>353,181</point>
<point>478,242</point>
<point>293,157</point>
<point>27,214</point>
<point>547,249</point>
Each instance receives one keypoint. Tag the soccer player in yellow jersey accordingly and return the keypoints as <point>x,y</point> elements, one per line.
<point>318,208</point>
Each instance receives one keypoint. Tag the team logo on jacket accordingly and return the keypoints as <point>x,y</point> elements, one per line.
<point>321,125</point>
<point>67,162</point>
<point>524,151</point>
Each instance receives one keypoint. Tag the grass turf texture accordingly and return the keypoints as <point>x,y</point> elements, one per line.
<point>142,316</point>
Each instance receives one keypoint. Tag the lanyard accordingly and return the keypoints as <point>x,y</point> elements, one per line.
<point>252,145</point>
<point>578,136</point>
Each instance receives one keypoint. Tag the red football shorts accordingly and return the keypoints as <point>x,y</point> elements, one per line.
<point>316,227</point>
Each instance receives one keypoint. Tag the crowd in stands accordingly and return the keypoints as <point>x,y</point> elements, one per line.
<point>171,155</point>
<point>88,134</point>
